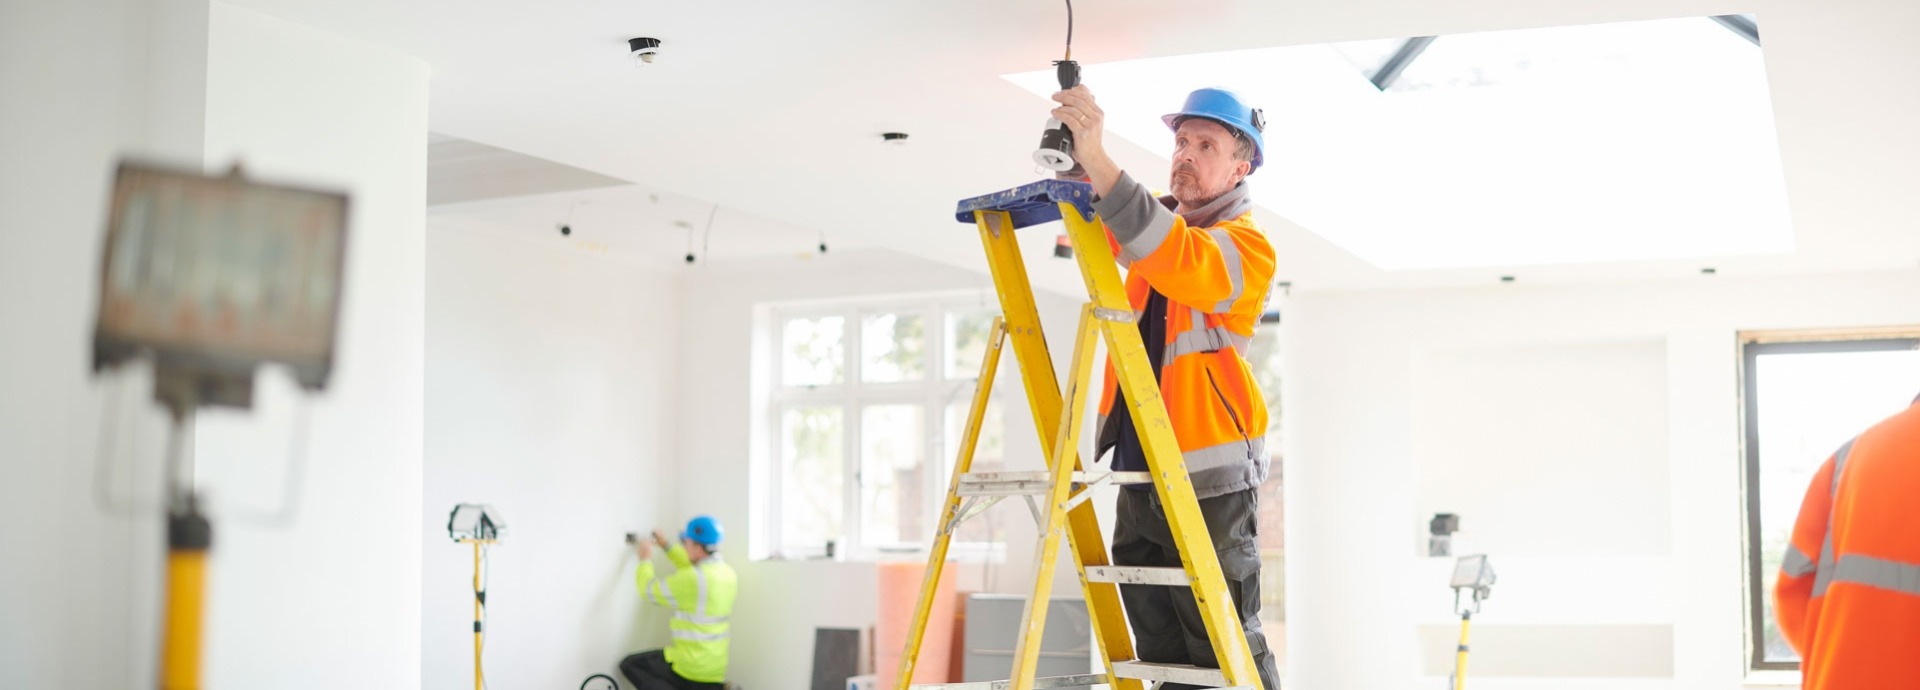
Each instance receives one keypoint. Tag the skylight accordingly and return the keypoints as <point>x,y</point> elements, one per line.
<point>1618,142</point>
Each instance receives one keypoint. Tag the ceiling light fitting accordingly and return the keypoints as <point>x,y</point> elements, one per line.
<point>643,49</point>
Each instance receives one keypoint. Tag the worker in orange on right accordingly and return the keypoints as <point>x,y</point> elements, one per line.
<point>1848,597</point>
<point>1199,271</point>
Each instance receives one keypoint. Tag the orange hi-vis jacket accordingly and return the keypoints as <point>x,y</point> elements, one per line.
<point>1215,267</point>
<point>1854,612</point>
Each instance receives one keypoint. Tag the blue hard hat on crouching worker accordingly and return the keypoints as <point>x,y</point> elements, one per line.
<point>1225,107</point>
<point>702,530</point>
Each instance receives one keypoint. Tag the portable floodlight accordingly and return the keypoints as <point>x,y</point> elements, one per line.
<point>480,525</point>
<point>210,277</point>
<point>475,522</point>
<point>214,276</point>
<point>1471,574</point>
<point>1475,573</point>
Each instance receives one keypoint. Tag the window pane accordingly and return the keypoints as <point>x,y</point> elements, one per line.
<point>966,342</point>
<point>893,347</point>
<point>812,477</point>
<point>812,351</point>
<point>1809,404</point>
<point>989,455</point>
<point>1263,356</point>
<point>893,483</point>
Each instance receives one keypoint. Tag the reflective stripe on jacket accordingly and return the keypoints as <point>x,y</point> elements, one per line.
<point>701,597</point>
<point>1215,268</point>
<point>1848,595</point>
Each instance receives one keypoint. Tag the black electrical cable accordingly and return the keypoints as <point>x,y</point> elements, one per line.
<point>1069,29</point>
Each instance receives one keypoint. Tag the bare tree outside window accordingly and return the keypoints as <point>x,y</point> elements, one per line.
<point>893,348</point>
<point>862,395</point>
<point>812,351</point>
<point>1264,358</point>
<point>813,452</point>
<point>967,333</point>
<point>989,455</point>
<point>892,476</point>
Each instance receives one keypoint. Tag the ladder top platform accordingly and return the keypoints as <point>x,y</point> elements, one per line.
<point>1031,204</point>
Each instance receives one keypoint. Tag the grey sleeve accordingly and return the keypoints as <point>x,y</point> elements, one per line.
<point>1138,221</point>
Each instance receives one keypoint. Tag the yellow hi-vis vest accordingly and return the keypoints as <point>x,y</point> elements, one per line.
<point>701,597</point>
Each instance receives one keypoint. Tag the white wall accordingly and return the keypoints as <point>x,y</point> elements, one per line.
<point>1492,402</point>
<point>1581,425</point>
<point>551,373</point>
<point>81,83</point>
<point>782,602</point>
<point>332,598</point>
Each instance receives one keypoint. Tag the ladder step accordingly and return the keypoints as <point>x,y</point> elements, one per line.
<point>1133,575</point>
<point>1036,483</point>
<point>1170,673</point>
<point>1041,683</point>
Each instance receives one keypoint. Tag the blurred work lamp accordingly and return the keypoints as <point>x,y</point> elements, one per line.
<point>210,278</point>
<point>479,525</point>
<point>214,276</point>
<point>475,522</point>
<point>1471,574</point>
<point>1475,574</point>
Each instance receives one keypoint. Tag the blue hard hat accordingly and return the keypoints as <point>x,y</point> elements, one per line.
<point>703,530</point>
<point>1225,107</point>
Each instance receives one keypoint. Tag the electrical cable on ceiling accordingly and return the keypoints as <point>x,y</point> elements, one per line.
<point>566,226</point>
<point>706,241</point>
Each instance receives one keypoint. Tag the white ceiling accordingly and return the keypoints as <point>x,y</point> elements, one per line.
<point>465,172</point>
<point>775,108</point>
<point>633,222</point>
<point>1500,149</point>
<point>459,170</point>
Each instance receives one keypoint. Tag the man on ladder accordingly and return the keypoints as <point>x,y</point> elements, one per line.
<point>1198,274</point>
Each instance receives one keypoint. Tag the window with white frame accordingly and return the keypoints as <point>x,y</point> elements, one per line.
<point>868,404</point>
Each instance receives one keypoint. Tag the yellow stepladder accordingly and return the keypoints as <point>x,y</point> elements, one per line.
<point>1064,487</point>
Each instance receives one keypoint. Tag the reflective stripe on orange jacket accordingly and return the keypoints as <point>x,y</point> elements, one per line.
<point>1848,597</point>
<point>1215,268</point>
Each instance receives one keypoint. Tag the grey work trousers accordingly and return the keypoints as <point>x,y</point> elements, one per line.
<point>1167,627</point>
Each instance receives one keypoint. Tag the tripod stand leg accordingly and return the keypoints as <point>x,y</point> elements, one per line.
<point>478,597</point>
<point>189,538</point>
<point>1460,654</point>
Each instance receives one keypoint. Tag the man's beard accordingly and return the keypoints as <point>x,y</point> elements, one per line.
<point>1191,194</point>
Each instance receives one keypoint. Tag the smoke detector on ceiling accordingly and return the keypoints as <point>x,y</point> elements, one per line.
<point>643,49</point>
